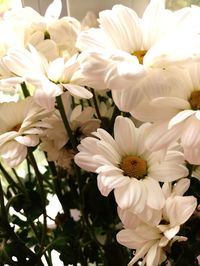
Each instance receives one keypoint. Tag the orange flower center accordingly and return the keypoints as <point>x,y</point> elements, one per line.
<point>16,128</point>
<point>134,166</point>
<point>194,100</point>
<point>140,55</point>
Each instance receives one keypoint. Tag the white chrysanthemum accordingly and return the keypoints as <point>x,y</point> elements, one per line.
<point>149,215</point>
<point>126,50</point>
<point>151,241</point>
<point>50,79</point>
<point>55,137</point>
<point>50,35</point>
<point>35,27</point>
<point>175,111</point>
<point>123,164</point>
<point>19,129</point>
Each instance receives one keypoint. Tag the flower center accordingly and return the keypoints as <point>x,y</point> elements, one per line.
<point>134,166</point>
<point>16,128</point>
<point>194,100</point>
<point>140,55</point>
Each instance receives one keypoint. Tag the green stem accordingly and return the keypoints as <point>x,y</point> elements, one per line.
<point>3,212</point>
<point>10,201</point>
<point>96,105</point>
<point>10,180</point>
<point>43,199</point>
<point>9,230</point>
<point>115,113</point>
<point>190,168</point>
<point>65,121</point>
<point>19,180</point>
<point>25,90</point>
<point>11,263</point>
<point>82,204</point>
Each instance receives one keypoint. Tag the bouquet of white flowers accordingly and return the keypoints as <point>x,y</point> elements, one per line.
<point>100,119</point>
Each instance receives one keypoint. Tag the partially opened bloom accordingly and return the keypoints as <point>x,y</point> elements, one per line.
<point>19,129</point>
<point>175,111</point>
<point>49,78</point>
<point>125,165</point>
<point>151,242</point>
<point>55,136</point>
<point>125,51</point>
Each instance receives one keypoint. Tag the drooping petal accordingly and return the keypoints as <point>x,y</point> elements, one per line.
<point>129,195</point>
<point>155,197</point>
<point>78,91</point>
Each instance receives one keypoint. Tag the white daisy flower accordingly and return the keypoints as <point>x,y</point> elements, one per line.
<point>19,129</point>
<point>175,111</point>
<point>126,50</point>
<point>48,78</point>
<point>55,137</point>
<point>125,165</point>
<point>151,241</point>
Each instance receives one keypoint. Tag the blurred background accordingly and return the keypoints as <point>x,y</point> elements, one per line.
<point>79,8</point>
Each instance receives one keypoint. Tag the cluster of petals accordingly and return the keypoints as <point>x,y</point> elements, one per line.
<point>55,136</point>
<point>126,50</point>
<point>49,78</point>
<point>104,154</point>
<point>152,241</point>
<point>175,112</point>
<point>20,126</point>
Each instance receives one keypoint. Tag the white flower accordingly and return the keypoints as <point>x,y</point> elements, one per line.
<point>19,129</point>
<point>48,78</point>
<point>175,111</point>
<point>126,50</point>
<point>149,241</point>
<point>55,137</point>
<point>125,165</point>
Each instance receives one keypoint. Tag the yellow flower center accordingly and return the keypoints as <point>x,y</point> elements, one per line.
<point>16,128</point>
<point>134,166</point>
<point>194,100</point>
<point>140,55</point>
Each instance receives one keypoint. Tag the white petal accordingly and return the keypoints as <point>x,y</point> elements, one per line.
<point>181,116</point>
<point>29,141</point>
<point>122,21</point>
<point>155,196</point>
<point>130,195</point>
<point>78,91</point>
<point>171,102</point>
<point>153,255</point>
<point>190,137</point>
<point>141,252</point>
<point>160,137</point>
<point>129,219</point>
<point>54,9</point>
<point>168,172</point>
<point>192,155</point>
<point>56,69</point>
<point>113,182</point>
<point>42,99</point>
<point>181,186</point>
<point>179,209</point>
<point>172,232</point>
<point>128,97</point>
<point>125,136</point>
<point>13,153</point>
<point>129,238</point>
<point>84,161</point>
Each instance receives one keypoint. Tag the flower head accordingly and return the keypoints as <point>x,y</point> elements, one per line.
<point>20,126</point>
<point>125,165</point>
<point>151,241</point>
<point>125,51</point>
<point>174,110</point>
